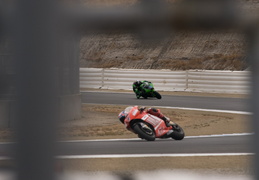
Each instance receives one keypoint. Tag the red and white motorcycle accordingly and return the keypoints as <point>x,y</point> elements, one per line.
<point>147,126</point>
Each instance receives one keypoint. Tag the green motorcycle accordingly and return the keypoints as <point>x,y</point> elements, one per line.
<point>147,90</point>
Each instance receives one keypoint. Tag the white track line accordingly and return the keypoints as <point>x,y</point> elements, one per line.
<point>187,137</point>
<point>207,110</point>
<point>2,158</point>
<point>220,135</point>
<point>189,109</point>
<point>152,155</point>
<point>158,155</point>
<point>143,155</point>
<point>134,139</point>
<point>148,155</point>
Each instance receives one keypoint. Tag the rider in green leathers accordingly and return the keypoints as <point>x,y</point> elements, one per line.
<point>137,87</point>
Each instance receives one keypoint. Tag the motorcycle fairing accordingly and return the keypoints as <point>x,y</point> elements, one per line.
<point>158,124</point>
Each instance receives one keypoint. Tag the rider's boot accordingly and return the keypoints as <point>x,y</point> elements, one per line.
<point>137,94</point>
<point>169,133</point>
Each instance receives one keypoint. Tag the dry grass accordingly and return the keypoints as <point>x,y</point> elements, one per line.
<point>183,50</point>
<point>218,165</point>
<point>232,62</point>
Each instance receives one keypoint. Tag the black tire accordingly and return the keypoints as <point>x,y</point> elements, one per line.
<point>144,94</point>
<point>178,133</point>
<point>143,132</point>
<point>157,95</point>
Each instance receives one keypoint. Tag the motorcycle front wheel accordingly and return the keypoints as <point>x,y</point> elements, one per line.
<point>144,131</point>
<point>178,133</point>
<point>157,95</point>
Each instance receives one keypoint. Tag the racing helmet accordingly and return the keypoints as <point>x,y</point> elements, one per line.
<point>123,114</point>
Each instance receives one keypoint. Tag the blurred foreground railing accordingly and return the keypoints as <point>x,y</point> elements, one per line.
<point>38,29</point>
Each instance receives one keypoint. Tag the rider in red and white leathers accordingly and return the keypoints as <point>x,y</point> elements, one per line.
<point>152,111</point>
<point>157,112</point>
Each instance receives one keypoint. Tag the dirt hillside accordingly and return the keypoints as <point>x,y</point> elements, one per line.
<point>184,50</point>
<point>221,50</point>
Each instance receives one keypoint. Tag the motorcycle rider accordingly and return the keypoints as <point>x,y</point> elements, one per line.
<point>153,111</point>
<point>157,112</point>
<point>137,88</point>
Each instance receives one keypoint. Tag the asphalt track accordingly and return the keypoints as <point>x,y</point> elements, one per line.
<point>223,144</point>
<point>219,103</point>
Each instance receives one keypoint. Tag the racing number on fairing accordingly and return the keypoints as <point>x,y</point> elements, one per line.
<point>144,117</point>
<point>135,112</point>
<point>151,119</point>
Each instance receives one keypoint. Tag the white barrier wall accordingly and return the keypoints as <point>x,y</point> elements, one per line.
<point>219,81</point>
<point>167,80</point>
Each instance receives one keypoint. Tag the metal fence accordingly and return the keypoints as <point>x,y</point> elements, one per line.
<point>166,80</point>
<point>38,28</point>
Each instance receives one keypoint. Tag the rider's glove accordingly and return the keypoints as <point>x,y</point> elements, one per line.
<point>167,121</point>
<point>141,109</point>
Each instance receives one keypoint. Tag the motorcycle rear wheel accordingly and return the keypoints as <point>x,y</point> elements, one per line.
<point>144,131</point>
<point>178,133</point>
